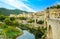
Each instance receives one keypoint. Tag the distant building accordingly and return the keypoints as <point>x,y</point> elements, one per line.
<point>12,15</point>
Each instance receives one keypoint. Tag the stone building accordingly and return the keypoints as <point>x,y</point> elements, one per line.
<point>53,22</point>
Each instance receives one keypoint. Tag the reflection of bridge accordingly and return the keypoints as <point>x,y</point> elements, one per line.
<point>53,28</point>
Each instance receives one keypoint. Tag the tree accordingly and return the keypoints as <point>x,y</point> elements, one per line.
<point>22,18</point>
<point>55,6</point>
<point>38,32</point>
<point>40,22</point>
<point>12,18</point>
<point>8,21</point>
<point>2,18</point>
<point>15,23</point>
<point>10,31</point>
<point>30,21</point>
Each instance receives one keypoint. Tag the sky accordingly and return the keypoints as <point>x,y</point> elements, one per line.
<point>27,5</point>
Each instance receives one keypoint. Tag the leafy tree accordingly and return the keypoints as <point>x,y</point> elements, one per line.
<point>55,6</point>
<point>3,26</point>
<point>30,21</point>
<point>24,26</point>
<point>9,31</point>
<point>39,32</point>
<point>22,18</point>
<point>15,23</point>
<point>58,6</point>
<point>11,22</point>
<point>40,22</point>
<point>12,18</point>
<point>8,21</point>
<point>2,18</point>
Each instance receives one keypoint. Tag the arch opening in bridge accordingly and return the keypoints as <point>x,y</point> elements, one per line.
<point>50,36</point>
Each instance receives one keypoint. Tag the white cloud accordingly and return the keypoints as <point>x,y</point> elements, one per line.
<point>18,4</point>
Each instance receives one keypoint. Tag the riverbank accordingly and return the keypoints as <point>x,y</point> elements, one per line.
<point>26,35</point>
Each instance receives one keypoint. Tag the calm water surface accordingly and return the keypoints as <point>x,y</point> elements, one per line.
<point>26,35</point>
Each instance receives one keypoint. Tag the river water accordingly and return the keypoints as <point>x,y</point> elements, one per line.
<point>26,35</point>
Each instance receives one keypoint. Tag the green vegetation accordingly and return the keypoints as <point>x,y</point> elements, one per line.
<point>8,21</point>
<point>8,12</point>
<point>37,31</point>
<point>11,22</point>
<point>22,18</point>
<point>8,28</point>
<point>2,18</point>
<point>9,31</point>
<point>12,18</point>
<point>40,22</point>
<point>55,6</point>
<point>9,25</point>
<point>30,21</point>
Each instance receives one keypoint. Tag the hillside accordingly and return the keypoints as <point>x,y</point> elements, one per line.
<point>5,11</point>
<point>54,6</point>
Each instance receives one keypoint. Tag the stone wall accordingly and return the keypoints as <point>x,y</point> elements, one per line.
<point>54,31</point>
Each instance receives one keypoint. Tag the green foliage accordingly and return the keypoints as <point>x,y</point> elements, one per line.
<point>2,17</point>
<point>30,21</point>
<point>24,26</point>
<point>15,23</point>
<point>12,18</point>
<point>22,18</point>
<point>8,27</point>
<point>11,22</point>
<point>40,22</point>
<point>3,26</point>
<point>37,31</point>
<point>8,21</point>
<point>7,12</point>
<point>10,31</point>
<point>55,6</point>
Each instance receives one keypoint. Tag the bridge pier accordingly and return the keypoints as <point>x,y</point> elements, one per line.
<point>53,29</point>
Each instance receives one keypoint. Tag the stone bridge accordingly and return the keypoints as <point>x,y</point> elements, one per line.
<point>53,28</point>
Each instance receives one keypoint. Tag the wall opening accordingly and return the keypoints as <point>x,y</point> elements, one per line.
<point>50,32</point>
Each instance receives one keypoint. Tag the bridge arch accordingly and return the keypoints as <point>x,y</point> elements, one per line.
<point>53,28</point>
<point>49,31</point>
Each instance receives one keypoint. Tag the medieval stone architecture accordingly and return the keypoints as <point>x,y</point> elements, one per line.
<point>53,22</point>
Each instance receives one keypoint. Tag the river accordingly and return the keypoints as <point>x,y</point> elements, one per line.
<point>26,35</point>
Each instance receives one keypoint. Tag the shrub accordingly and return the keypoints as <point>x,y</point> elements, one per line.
<point>12,18</point>
<point>30,21</point>
<point>2,17</point>
<point>40,22</point>
<point>22,18</point>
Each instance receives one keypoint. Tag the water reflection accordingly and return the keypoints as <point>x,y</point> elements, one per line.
<point>26,35</point>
